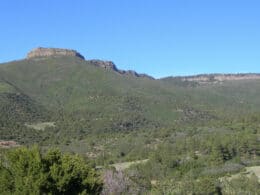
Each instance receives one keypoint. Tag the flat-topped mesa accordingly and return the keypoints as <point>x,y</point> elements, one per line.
<point>46,52</point>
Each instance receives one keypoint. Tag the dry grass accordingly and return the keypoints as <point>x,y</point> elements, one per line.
<point>126,165</point>
<point>254,170</point>
<point>40,126</point>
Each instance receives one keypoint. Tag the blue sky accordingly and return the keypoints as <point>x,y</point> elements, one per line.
<point>158,37</point>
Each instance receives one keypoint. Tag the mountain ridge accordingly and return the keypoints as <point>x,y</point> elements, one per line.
<point>82,97</point>
<point>215,77</point>
<point>41,52</point>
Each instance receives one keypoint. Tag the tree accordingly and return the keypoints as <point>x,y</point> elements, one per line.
<point>27,171</point>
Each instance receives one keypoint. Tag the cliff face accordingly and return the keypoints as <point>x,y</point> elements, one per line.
<point>104,64</point>
<point>46,52</point>
<point>220,77</point>
<point>109,65</point>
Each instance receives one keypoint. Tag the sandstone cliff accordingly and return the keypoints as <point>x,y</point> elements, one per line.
<point>46,52</point>
<point>214,78</point>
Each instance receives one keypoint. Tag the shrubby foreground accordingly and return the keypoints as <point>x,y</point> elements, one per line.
<point>27,171</point>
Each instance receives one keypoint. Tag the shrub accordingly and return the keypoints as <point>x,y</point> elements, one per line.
<point>27,171</point>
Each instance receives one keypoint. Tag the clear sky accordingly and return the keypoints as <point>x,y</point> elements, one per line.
<point>158,37</point>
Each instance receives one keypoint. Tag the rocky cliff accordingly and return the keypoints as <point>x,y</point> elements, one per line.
<point>46,52</point>
<point>104,64</point>
<point>109,65</point>
<point>206,78</point>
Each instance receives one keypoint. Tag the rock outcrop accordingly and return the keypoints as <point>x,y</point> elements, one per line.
<point>109,65</point>
<point>213,78</point>
<point>46,52</point>
<point>104,64</point>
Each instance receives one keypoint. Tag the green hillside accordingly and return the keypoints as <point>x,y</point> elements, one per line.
<point>73,86</point>
<point>72,90</point>
<point>195,132</point>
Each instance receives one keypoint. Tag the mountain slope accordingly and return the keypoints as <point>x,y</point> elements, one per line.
<point>76,86</point>
<point>81,96</point>
<point>17,106</point>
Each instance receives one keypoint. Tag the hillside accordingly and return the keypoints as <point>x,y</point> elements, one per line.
<point>103,98</point>
<point>73,85</point>
<point>195,129</point>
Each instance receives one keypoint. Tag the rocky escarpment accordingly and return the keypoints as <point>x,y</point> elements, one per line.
<point>109,65</point>
<point>47,52</point>
<point>211,78</point>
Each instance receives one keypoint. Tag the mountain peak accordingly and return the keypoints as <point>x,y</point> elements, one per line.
<point>109,65</point>
<point>46,52</point>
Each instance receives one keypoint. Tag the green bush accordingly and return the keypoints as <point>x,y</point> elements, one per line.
<point>27,171</point>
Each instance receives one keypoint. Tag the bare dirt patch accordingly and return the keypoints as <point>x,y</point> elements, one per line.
<point>126,165</point>
<point>8,144</point>
<point>254,170</point>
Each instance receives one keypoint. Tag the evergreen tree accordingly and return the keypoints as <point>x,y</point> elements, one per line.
<point>27,171</point>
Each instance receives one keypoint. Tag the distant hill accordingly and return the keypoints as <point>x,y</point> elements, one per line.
<point>100,97</point>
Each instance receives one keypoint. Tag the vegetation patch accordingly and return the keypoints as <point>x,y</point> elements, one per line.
<point>4,87</point>
<point>40,126</point>
<point>28,171</point>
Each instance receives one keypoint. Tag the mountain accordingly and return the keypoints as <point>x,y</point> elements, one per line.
<point>196,129</point>
<point>85,96</point>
